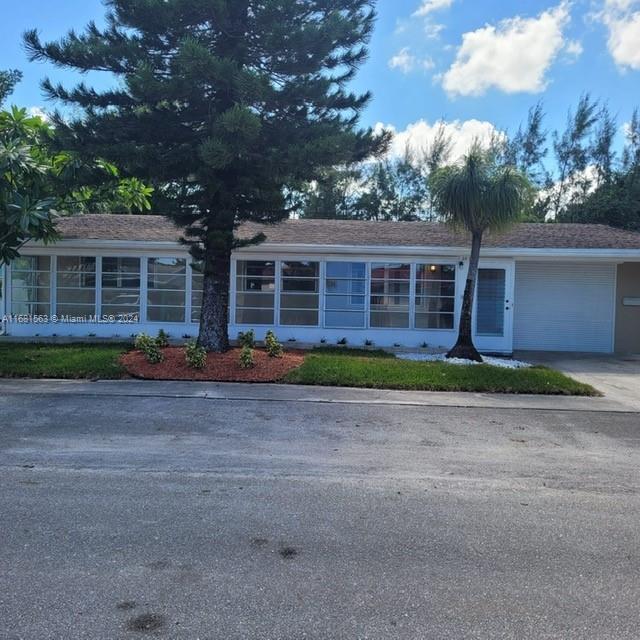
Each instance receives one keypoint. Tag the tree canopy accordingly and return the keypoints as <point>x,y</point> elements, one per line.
<point>39,181</point>
<point>225,106</point>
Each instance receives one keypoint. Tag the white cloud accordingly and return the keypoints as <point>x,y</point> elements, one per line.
<point>420,135</point>
<point>38,112</point>
<point>430,6</point>
<point>513,56</point>
<point>406,62</point>
<point>403,60</point>
<point>622,19</point>
<point>574,49</point>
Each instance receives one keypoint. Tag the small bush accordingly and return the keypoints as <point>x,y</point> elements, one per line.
<point>247,339</point>
<point>368,343</point>
<point>163,339</point>
<point>274,348</point>
<point>149,348</point>
<point>195,356</point>
<point>343,342</point>
<point>246,358</point>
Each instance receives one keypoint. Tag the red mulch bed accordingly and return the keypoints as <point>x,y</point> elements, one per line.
<point>221,367</point>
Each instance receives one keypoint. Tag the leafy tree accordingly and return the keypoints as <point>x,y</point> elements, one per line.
<point>477,195</point>
<point>39,182</point>
<point>393,190</point>
<point>8,80</point>
<point>225,106</point>
<point>333,195</point>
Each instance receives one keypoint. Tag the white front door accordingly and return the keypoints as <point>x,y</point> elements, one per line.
<point>493,313</point>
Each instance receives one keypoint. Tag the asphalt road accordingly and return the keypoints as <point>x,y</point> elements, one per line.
<point>199,519</point>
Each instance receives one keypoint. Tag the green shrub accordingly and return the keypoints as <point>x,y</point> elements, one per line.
<point>274,348</point>
<point>195,355</point>
<point>342,342</point>
<point>163,339</point>
<point>247,339</point>
<point>149,348</point>
<point>246,358</point>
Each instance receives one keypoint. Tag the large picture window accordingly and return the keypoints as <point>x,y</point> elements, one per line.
<point>390,293</point>
<point>76,287</point>
<point>300,294</point>
<point>31,286</point>
<point>435,296</point>
<point>120,286</point>
<point>166,286</point>
<point>255,292</point>
<point>345,295</point>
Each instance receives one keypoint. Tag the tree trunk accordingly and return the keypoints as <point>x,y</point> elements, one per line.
<point>214,318</point>
<point>464,347</point>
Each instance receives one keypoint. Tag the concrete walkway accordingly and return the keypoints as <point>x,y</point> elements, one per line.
<point>617,377</point>
<point>322,395</point>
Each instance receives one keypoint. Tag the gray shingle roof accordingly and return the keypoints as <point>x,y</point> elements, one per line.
<point>149,228</point>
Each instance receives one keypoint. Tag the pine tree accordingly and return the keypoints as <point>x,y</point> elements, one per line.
<point>221,105</point>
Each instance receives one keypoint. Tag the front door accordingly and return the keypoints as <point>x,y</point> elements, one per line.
<point>494,307</point>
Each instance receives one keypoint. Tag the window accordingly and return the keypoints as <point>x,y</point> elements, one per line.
<point>255,292</point>
<point>197,287</point>
<point>120,286</point>
<point>345,295</point>
<point>300,294</point>
<point>31,286</point>
<point>390,284</point>
<point>435,296</point>
<point>166,286</point>
<point>76,287</point>
<point>491,302</point>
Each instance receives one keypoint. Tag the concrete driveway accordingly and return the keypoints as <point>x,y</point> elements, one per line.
<point>227,512</point>
<point>617,377</point>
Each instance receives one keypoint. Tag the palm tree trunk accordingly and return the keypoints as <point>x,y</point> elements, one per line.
<point>464,347</point>
<point>214,318</point>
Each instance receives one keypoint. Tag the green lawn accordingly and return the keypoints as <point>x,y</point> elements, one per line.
<point>327,367</point>
<point>331,367</point>
<point>74,361</point>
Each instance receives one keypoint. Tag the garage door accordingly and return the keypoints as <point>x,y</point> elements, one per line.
<point>564,307</point>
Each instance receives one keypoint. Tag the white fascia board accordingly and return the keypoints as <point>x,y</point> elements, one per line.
<point>122,246</point>
<point>176,248</point>
<point>488,252</point>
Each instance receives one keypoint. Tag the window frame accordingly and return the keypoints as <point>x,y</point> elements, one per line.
<point>233,291</point>
<point>148,290</point>
<point>439,263</point>
<point>365,295</point>
<point>10,287</point>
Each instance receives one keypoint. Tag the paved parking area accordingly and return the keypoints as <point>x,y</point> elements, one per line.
<point>617,377</point>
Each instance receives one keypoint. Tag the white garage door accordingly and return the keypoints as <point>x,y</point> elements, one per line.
<point>564,307</point>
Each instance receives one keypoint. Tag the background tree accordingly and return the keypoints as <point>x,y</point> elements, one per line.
<point>8,80</point>
<point>38,182</point>
<point>392,188</point>
<point>477,195</point>
<point>223,105</point>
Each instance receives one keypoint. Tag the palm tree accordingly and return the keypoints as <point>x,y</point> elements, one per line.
<point>477,195</point>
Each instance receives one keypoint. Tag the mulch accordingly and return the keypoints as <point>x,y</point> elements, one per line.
<point>221,367</point>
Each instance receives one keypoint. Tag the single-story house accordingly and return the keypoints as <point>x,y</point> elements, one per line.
<point>560,287</point>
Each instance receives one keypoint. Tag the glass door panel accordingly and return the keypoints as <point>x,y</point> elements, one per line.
<point>490,314</point>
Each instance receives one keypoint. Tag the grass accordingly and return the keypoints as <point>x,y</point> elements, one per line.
<point>328,366</point>
<point>72,361</point>
<point>357,368</point>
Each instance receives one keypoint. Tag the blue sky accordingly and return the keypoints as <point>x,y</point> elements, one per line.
<point>473,63</point>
